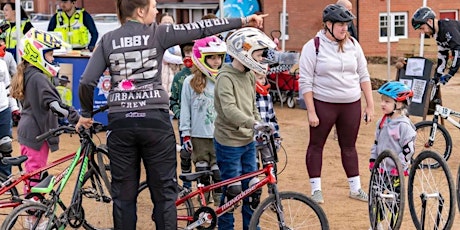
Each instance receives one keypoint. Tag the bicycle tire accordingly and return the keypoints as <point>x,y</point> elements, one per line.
<point>5,197</point>
<point>144,202</point>
<point>299,212</point>
<point>458,188</point>
<point>103,163</point>
<point>21,216</point>
<point>442,144</point>
<point>428,176</point>
<point>96,202</point>
<point>384,187</point>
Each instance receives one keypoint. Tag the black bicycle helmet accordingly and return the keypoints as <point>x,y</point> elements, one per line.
<point>337,13</point>
<point>421,16</point>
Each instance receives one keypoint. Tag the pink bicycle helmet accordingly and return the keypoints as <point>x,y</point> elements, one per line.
<point>204,47</point>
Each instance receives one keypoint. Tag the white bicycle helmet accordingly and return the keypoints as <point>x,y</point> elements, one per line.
<point>33,46</point>
<point>243,42</point>
<point>204,47</point>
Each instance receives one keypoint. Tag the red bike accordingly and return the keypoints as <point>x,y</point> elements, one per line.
<point>280,210</point>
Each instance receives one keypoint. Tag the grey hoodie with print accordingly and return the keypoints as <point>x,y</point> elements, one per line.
<point>394,135</point>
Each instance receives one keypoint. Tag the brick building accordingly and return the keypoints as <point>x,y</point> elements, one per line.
<point>304,17</point>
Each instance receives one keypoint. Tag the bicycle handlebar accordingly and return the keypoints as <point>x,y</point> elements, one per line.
<point>55,132</point>
<point>96,127</point>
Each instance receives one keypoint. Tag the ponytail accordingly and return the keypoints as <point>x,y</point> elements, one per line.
<point>17,83</point>
<point>198,82</point>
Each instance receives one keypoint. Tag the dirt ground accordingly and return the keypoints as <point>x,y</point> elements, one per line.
<point>342,212</point>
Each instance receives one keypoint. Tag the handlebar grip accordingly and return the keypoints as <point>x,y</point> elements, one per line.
<point>54,132</point>
<point>44,135</point>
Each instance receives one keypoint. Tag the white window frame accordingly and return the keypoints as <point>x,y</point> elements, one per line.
<point>394,38</point>
<point>450,11</point>
<point>286,36</point>
<point>28,5</point>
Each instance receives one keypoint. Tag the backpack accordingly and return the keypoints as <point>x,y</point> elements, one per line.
<point>316,40</point>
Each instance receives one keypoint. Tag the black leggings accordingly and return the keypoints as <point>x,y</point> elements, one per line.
<point>152,140</point>
<point>346,117</point>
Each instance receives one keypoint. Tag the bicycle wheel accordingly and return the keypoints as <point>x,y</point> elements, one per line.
<point>30,215</point>
<point>458,188</point>
<point>96,202</point>
<point>103,162</point>
<point>299,211</point>
<point>7,196</point>
<point>442,143</point>
<point>431,193</point>
<point>145,208</point>
<point>386,192</point>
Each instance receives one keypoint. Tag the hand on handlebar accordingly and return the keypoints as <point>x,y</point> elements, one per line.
<point>264,127</point>
<point>445,78</point>
<point>84,122</point>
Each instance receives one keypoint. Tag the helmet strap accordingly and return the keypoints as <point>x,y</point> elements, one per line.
<point>331,32</point>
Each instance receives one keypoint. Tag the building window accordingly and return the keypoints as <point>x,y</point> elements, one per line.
<point>28,5</point>
<point>396,27</point>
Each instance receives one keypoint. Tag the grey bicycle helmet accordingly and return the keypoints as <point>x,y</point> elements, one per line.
<point>421,17</point>
<point>337,13</point>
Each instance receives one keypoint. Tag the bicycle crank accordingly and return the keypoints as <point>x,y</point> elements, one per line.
<point>204,219</point>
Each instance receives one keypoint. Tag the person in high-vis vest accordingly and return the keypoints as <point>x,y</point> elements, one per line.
<point>11,38</point>
<point>75,24</point>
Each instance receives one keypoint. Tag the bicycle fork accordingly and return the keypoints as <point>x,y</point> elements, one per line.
<point>424,197</point>
<point>433,130</point>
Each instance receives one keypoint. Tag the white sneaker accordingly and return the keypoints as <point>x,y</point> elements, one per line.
<point>317,197</point>
<point>360,195</point>
<point>29,222</point>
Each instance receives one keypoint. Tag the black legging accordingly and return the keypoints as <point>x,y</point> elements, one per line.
<point>346,117</point>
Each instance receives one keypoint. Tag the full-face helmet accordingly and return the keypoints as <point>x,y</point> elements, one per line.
<point>337,13</point>
<point>33,46</point>
<point>421,17</point>
<point>243,42</point>
<point>396,90</point>
<point>205,47</point>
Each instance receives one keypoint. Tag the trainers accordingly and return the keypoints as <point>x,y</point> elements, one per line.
<point>360,195</point>
<point>318,197</point>
<point>29,222</point>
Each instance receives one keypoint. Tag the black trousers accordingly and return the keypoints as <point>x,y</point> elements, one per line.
<point>151,139</point>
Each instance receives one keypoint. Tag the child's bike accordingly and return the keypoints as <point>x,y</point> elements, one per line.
<point>280,210</point>
<point>386,192</point>
<point>431,135</point>
<point>91,203</point>
<point>431,192</point>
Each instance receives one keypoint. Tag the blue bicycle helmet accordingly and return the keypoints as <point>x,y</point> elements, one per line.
<point>396,90</point>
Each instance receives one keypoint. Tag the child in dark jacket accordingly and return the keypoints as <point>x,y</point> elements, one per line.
<point>42,104</point>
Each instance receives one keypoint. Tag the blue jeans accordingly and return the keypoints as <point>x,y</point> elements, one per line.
<point>5,130</point>
<point>233,162</point>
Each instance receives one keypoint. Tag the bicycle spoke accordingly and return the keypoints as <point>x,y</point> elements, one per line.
<point>299,213</point>
<point>431,194</point>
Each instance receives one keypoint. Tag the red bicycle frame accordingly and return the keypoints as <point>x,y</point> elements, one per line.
<point>13,180</point>
<point>270,178</point>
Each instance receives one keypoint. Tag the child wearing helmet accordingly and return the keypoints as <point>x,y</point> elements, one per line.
<point>197,113</point>
<point>264,105</point>
<point>395,130</point>
<point>42,104</point>
<point>447,35</point>
<point>237,116</point>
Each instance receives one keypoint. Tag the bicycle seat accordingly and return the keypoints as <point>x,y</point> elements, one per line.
<point>45,186</point>
<point>194,176</point>
<point>14,160</point>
